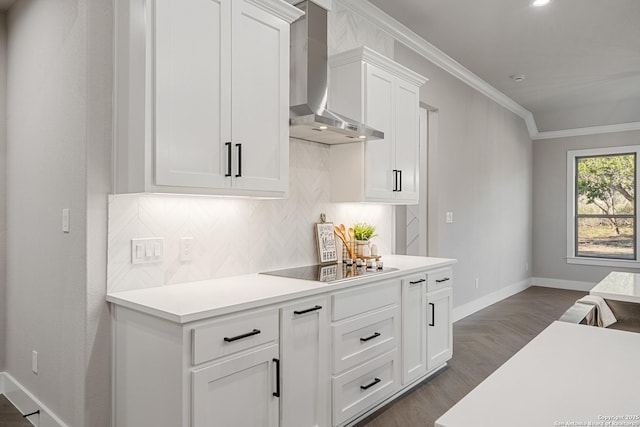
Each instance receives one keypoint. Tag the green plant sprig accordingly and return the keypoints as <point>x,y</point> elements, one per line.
<point>364,231</point>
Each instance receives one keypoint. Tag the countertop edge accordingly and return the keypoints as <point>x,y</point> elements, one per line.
<point>126,300</point>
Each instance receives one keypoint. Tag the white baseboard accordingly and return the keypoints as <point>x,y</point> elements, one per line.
<point>476,305</point>
<point>572,285</point>
<point>27,403</point>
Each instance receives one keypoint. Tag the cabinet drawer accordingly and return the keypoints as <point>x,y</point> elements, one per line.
<point>439,279</point>
<point>231,335</point>
<point>359,389</point>
<point>360,339</point>
<point>366,298</point>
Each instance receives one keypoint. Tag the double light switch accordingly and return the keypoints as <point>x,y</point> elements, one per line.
<point>147,250</point>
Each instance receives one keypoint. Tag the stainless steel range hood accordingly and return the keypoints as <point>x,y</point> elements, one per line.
<point>309,118</point>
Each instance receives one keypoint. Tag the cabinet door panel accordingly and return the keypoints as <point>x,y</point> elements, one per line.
<point>379,154</point>
<point>407,140</point>
<point>439,329</point>
<point>305,367</point>
<point>192,94</point>
<point>260,82</point>
<point>237,392</point>
<point>414,333</point>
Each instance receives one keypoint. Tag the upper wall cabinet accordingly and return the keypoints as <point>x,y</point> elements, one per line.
<point>385,95</point>
<point>202,92</point>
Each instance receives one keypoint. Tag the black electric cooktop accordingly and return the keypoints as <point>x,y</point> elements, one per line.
<point>328,273</point>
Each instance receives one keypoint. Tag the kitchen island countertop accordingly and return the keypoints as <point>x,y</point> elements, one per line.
<point>569,375</point>
<point>187,302</point>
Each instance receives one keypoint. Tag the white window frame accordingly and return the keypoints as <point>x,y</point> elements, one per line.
<point>571,207</point>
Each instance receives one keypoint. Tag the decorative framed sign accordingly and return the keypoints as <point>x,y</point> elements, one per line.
<point>326,243</point>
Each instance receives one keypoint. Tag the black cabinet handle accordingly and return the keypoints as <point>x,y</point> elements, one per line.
<point>376,335</point>
<point>433,314</point>
<point>239,147</point>
<point>277,363</point>
<point>417,281</point>
<point>374,382</point>
<point>239,337</point>
<point>228,145</point>
<point>400,186</point>
<point>395,180</point>
<point>308,310</point>
<point>443,280</point>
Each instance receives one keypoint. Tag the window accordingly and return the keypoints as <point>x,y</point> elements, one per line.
<point>602,223</point>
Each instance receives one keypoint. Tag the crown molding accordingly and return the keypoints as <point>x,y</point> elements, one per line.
<point>370,56</point>
<point>407,37</point>
<point>283,10</point>
<point>592,130</point>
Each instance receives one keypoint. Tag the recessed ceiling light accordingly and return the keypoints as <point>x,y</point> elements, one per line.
<point>518,78</point>
<point>322,127</point>
<point>362,136</point>
<point>539,3</point>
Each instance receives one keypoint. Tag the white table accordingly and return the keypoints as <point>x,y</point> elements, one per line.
<point>568,374</point>
<point>619,286</point>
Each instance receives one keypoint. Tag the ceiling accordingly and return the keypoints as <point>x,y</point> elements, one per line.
<point>581,58</point>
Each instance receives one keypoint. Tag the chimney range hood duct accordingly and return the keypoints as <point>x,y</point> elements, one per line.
<point>309,118</point>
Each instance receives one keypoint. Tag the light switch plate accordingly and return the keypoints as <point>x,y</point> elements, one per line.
<point>147,250</point>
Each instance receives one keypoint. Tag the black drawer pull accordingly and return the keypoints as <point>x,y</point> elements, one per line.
<point>433,314</point>
<point>376,335</point>
<point>308,310</point>
<point>417,281</point>
<point>239,337</point>
<point>228,145</point>
<point>374,382</point>
<point>277,363</point>
<point>443,280</point>
<point>239,147</point>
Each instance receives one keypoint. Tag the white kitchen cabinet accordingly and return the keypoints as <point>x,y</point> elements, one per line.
<point>250,351</point>
<point>414,327</point>
<point>366,336</point>
<point>439,317</point>
<point>214,114</point>
<point>237,391</point>
<point>305,376</point>
<point>385,95</point>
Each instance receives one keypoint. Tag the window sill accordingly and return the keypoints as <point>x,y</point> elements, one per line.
<point>602,262</point>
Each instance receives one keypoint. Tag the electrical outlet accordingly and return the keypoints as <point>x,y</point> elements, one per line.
<point>34,362</point>
<point>146,251</point>
<point>186,249</point>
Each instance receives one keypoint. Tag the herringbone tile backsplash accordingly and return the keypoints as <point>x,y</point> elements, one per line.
<point>233,236</point>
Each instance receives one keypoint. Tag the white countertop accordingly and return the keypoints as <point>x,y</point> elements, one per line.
<point>619,286</point>
<point>568,373</point>
<point>188,302</point>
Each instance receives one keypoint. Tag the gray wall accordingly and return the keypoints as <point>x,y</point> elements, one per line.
<point>3,185</point>
<point>58,138</point>
<point>550,205</point>
<point>484,176</point>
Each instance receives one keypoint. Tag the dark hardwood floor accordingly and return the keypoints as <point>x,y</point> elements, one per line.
<point>10,416</point>
<point>482,342</point>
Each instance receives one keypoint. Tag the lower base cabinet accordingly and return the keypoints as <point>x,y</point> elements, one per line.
<point>439,328</point>
<point>238,392</point>
<point>321,361</point>
<point>304,344</point>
